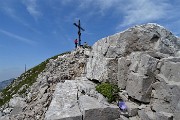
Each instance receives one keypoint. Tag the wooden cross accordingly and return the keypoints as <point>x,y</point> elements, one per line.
<point>79,31</point>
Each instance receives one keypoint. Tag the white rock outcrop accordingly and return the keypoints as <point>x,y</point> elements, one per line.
<point>148,37</point>
<point>72,102</point>
<point>144,61</point>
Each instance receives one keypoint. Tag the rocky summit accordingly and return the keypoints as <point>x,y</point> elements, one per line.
<point>143,61</point>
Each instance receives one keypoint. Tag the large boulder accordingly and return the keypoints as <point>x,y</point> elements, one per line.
<point>74,100</point>
<point>166,93</point>
<point>141,76</point>
<point>148,37</point>
<point>64,104</point>
<point>170,68</point>
<point>93,110</point>
<point>123,67</point>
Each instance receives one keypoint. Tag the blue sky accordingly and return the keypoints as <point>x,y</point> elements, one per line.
<point>33,30</point>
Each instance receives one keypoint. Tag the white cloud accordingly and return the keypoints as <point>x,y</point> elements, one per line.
<point>17,37</point>
<point>130,11</point>
<point>9,10</point>
<point>32,8</point>
<point>100,6</point>
<point>140,11</point>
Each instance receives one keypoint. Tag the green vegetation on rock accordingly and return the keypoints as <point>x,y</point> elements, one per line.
<point>26,80</point>
<point>108,90</point>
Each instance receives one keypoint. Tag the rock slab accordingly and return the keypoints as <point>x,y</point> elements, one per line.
<point>74,100</point>
<point>64,105</point>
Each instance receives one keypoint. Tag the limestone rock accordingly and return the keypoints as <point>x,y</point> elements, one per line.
<point>123,118</point>
<point>141,76</point>
<point>148,37</point>
<point>166,95</point>
<point>64,104</point>
<point>72,100</point>
<point>123,97</point>
<point>17,101</point>
<point>103,71</point>
<point>132,109</point>
<point>7,110</point>
<point>170,68</point>
<point>122,72</point>
<point>164,116</point>
<point>134,118</point>
<point>146,114</point>
<point>92,109</point>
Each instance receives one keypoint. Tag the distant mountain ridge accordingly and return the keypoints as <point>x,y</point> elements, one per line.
<point>5,83</point>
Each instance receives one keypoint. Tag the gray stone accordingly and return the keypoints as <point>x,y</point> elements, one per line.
<point>146,114</point>
<point>42,91</point>
<point>141,76</point>
<point>112,70</point>
<point>134,118</point>
<point>7,110</point>
<point>85,86</point>
<point>176,115</point>
<point>142,106</point>
<point>171,68</point>
<point>4,118</point>
<point>103,71</point>
<point>166,97</point>
<point>164,116</point>
<point>16,110</point>
<point>142,63</point>
<point>132,108</point>
<point>64,105</point>
<point>123,118</point>
<point>148,37</point>
<point>71,101</point>
<point>123,97</point>
<point>93,110</point>
<point>139,87</point>
<point>122,72</point>
<point>17,101</point>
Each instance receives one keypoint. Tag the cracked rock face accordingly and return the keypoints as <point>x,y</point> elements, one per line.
<point>149,37</point>
<point>71,101</point>
<point>146,62</point>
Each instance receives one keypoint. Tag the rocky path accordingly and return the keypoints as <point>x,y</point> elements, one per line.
<point>78,100</point>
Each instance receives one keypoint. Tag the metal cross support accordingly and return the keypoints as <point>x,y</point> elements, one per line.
<point>79,31</point>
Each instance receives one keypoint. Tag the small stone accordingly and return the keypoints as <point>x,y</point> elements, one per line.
<point>132,108</point>
<point>164,116</point>
<point>123,118</point>
<point>7,110</point>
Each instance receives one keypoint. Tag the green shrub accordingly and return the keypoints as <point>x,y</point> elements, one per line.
<point>108,90</point>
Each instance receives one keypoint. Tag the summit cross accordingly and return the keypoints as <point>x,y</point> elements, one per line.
<point>79,31</point>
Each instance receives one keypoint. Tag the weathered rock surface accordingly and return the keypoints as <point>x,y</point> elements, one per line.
<point>17,101</point>
<point>148,67</point>
<point>72,101</point>
<point>164,116</point>
<point>149,37</point>
<point>92,109</point>
<point>64,103</point>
